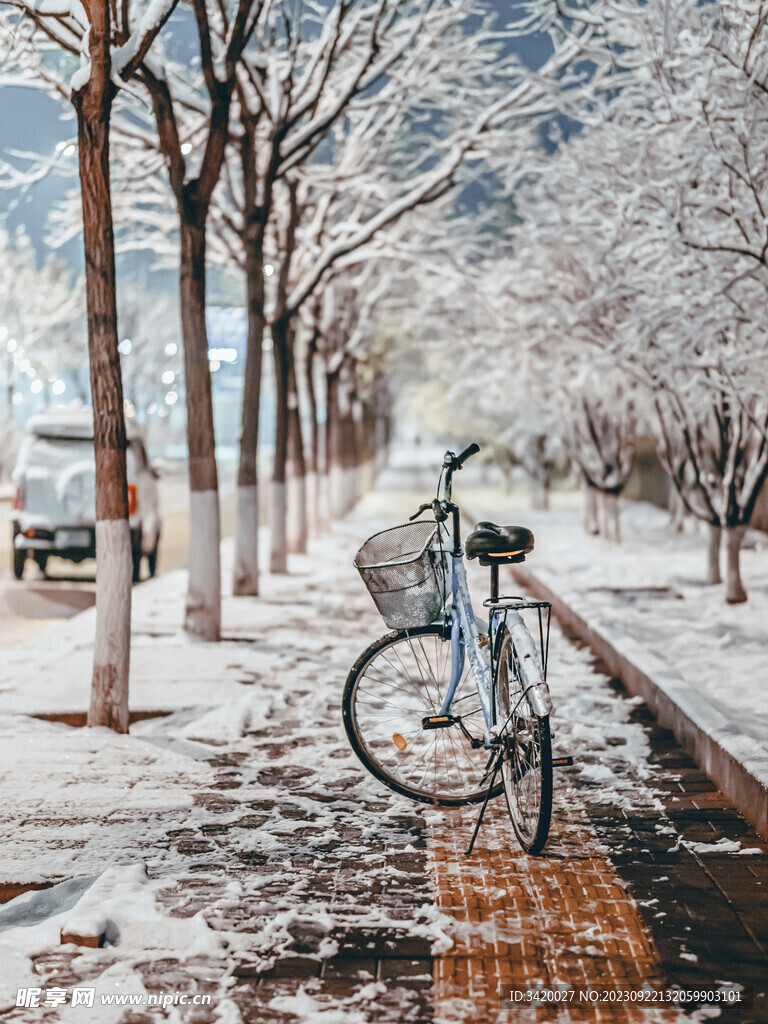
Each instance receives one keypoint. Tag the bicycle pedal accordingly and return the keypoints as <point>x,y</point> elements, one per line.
<point>438,722</point>
<point>562,762</point>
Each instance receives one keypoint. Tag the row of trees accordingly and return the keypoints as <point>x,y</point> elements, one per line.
<point>634,299</point>
<point>292,141</point>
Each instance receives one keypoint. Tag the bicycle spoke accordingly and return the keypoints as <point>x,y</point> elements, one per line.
<point>405,682</point>
<point>421,674</point>
<point>522,773</point>
<point>432,674</point>
<point>404,674</point>
<point>412,693</point>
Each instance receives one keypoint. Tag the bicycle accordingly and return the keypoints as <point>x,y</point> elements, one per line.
<point>446,709</point>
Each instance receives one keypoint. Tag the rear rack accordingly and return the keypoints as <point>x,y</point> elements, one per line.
<point>514,602</point>
<point>499,606</point>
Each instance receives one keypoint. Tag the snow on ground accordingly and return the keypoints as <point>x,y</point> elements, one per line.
<point>239,825</point>
<point>246,787</point>
<point>120,903</point>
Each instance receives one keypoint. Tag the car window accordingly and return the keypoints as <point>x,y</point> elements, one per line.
<point>59,479</point>
<point>54,452</point>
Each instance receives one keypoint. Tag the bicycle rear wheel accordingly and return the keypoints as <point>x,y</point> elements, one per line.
<point>527,766</point>
<point>395,684</point>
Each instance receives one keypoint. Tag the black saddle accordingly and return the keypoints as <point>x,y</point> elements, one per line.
<point>495,545</point>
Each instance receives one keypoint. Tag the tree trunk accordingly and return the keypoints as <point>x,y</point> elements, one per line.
<point>323,489</point>
<point>246,572</point>
<point>203,611</point>
<point>713,554</point>
<point>380,444</point>
<point>367,474</point>
<point>591,521</point>
<point>676,508</point>
<point>611,517</point>
<point>333,459</point>
<point>297,499</point>
<point>540,494</point>
<point>350,457</point>
<point>734,589</point>
<point>314,514</point>
<point>278,559</point>
<point>112,642</point>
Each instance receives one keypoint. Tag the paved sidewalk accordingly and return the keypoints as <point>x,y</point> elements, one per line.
<point>234,847</point>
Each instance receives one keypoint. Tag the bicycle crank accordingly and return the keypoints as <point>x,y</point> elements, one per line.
<point>445,722</point>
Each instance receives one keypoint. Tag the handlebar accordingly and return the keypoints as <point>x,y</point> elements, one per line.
<point>437,509</point>
<point>422,508</point>
<point>453,462</point>
<point>469,451</point>
<point>443,507</point>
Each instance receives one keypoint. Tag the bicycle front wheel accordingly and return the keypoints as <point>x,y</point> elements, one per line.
<point>527,761</point>
<point>397,683</point>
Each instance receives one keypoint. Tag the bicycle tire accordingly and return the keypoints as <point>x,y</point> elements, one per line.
<point>387,695</point>
<point>526,770</point>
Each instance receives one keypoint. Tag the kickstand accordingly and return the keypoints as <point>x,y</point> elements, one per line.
<point>496,766</point>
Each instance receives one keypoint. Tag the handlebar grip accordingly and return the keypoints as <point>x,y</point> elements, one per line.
<point>468,452</point>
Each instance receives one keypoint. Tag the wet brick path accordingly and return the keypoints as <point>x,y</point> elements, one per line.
<point>633,887</point>
<point>340,904</point>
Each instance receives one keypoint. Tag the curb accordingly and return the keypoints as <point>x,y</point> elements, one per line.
<point>734,761</point>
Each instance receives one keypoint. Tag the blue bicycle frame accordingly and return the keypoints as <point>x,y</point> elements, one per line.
<point>465,637</point>
<point>464,625</point>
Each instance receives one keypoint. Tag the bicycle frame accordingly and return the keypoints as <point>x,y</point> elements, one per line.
<point>465,637</point>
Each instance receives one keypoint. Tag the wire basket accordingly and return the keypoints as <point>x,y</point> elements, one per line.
<point>405,573</point>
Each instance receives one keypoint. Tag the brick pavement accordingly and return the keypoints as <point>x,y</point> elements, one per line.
<point>559,919</point>
<point>615,899</point>
<point>618,896</point>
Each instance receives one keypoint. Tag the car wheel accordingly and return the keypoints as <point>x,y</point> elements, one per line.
<point>41,558</point>
<point>19,558</point>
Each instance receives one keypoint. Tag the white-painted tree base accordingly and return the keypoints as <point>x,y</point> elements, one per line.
<point>322,504</point>
<point>245,578</point>
<point>314,524</point>
<point>296,525</point>
<point>278,556</point>
<point>351,487</point>
<point>539,495</point>
<point>611,518</point>
<point>112,643</point>
<point>336,492</point>
<point>203,612</point>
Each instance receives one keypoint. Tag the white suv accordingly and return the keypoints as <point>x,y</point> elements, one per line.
<point>54,504</point>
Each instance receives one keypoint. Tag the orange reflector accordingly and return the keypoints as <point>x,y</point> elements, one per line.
<point>29,533</point>
<point>399,741</point>
<point>133,500</point>
<point>504,554</point>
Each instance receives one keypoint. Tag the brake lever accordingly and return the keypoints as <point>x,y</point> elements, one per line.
<point>416,515</point>
<point>440,514</point>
